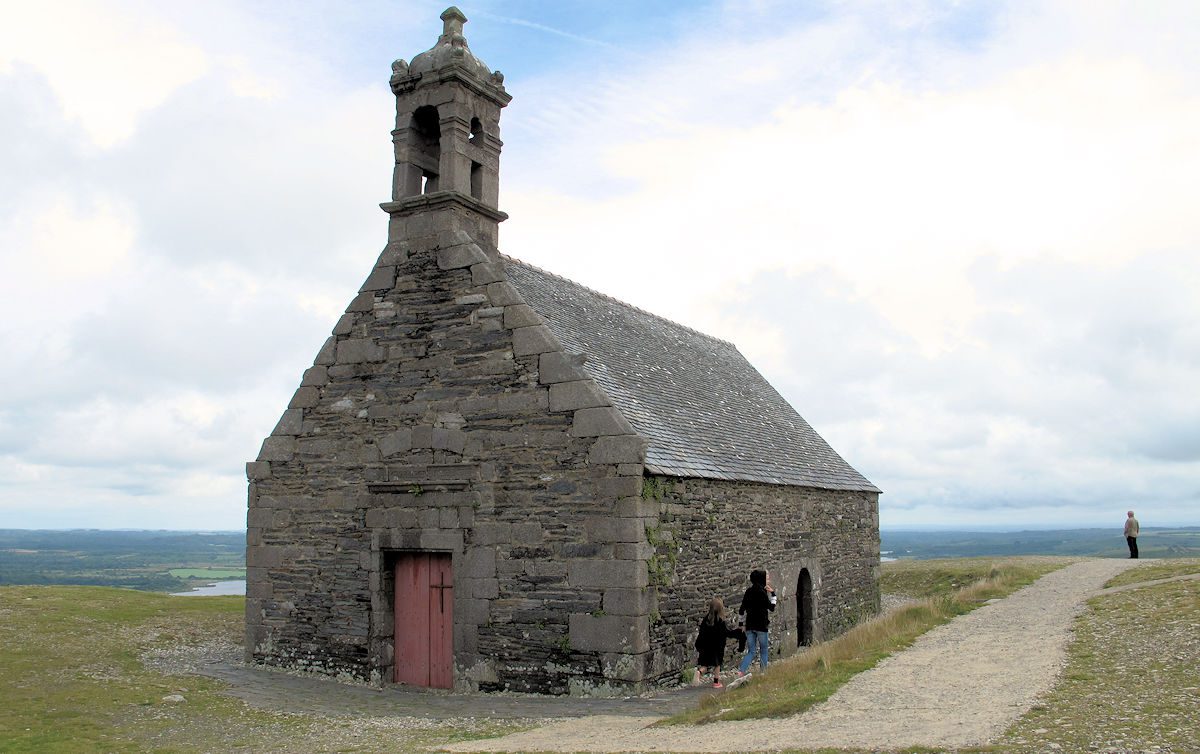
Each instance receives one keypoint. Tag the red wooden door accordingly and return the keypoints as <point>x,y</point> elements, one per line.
<point>425,620</point>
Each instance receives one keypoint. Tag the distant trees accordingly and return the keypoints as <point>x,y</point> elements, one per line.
<point>132,559</point>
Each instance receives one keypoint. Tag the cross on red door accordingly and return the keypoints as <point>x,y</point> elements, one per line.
<point>441,586</point>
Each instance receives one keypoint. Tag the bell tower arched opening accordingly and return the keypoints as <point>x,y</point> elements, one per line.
<point>425,154</point>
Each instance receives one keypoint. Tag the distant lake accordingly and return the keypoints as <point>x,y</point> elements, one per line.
<point>217,589</point>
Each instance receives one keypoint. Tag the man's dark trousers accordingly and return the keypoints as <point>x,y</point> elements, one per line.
<point>1132,546</point>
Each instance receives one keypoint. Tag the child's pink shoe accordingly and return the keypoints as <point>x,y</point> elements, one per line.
<point>718,685</point>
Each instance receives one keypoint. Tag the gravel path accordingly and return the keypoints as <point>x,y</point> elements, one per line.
<point>958,685</point>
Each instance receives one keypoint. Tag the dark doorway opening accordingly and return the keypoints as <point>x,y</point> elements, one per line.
<point>804,608</point>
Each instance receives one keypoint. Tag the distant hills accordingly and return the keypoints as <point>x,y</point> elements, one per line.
<point>160,560</point>
<point>1106,543</point>
<point>105,557</point>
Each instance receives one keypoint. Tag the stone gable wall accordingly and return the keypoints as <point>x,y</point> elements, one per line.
<point>712,533</point>
<point>443,415</point>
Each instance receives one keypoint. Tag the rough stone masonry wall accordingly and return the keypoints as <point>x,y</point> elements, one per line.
<point>443,415</point>
<point>713,533</point>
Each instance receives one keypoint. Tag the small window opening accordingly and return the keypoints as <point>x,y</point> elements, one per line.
<point>476,130</point>
<point>476,180</point>
<point>429,183</point>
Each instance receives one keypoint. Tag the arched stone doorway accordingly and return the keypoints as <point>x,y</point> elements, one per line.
<point>804,608</point>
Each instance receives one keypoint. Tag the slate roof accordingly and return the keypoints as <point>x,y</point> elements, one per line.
<point>704,409</point>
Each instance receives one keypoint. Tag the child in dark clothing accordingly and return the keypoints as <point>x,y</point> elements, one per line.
<point>710,643</point>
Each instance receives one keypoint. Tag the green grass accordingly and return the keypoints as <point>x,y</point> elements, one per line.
<point>72,679</point>
<point>945,589</point>
<point>920,579</point>
<point>71,659</point>
<point>208,573</point>
<point>1131,678</point>
<point>1152,570</point>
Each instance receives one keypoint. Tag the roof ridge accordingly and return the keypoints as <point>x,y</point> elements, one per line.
<point>615,300</point>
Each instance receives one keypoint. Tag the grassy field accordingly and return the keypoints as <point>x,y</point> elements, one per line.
<point>1153,570</point>
<point>1132,682</point>
<point>71,658</point>
<point>73,679</point>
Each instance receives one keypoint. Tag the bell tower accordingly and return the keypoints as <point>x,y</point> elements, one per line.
<point>447,139</point>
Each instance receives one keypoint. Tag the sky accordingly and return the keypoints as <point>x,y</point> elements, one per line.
<point>961,238</point>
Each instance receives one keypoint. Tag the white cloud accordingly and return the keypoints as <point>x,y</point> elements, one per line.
<point>169,459</point>
<point>107,63</point>
<point>126,496</point>
<point>163,293</point>
<point>59,259</point>
<point>902,190</point>
<point>58,240</point>
<point>958,238</point>
<point>1082,401</point>
<point>978,281</point>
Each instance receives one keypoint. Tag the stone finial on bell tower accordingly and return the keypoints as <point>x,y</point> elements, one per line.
<point>447,135</point>
<point>452,25</point>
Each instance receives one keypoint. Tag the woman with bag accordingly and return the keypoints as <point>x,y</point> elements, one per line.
<point>710,642</point>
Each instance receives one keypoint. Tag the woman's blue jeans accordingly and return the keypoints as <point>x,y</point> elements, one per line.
<point>756,646</point>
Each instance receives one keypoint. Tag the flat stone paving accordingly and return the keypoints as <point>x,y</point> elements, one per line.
<point>276,690</point>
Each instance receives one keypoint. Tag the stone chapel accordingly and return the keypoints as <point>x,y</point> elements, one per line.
<point>495,478</point>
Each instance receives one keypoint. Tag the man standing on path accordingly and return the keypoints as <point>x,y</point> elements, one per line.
<point>1131,534</point>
